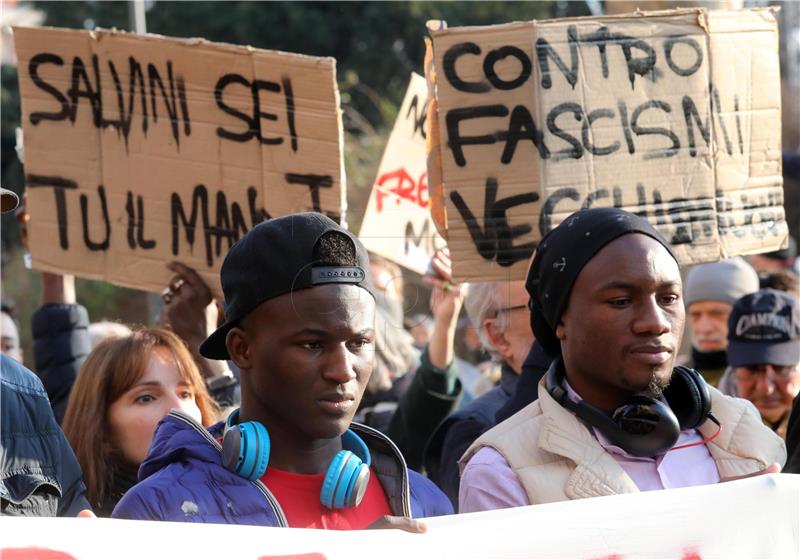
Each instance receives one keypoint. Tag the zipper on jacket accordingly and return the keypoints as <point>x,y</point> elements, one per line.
<point>273,503</point>
<point>406,486</point>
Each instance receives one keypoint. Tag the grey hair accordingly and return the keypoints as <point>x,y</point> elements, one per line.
<point>483,301</point>
<point>102,330</point>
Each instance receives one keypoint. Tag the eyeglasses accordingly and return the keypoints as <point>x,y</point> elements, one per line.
<point>512,308</point>
<point>779,374</point>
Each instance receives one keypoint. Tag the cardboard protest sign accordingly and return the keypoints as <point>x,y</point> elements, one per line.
<point>142,149</point>
<point>695,523</point>
<point>672,115</point>
<point>397,224</point>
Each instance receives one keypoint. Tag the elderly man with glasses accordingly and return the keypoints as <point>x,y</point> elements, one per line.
<point>499,311</point>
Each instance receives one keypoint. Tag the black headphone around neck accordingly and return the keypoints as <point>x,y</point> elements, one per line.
<point>643,426</point>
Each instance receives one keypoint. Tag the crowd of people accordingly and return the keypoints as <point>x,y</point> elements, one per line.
<point>310,398</point>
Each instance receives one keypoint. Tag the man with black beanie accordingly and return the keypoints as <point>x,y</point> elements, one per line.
<point>612,413</point>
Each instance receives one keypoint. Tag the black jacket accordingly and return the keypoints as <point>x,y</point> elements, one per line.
<point>60,346</point>
<point>527,390</point>
<point>457,432</point>
<point>793,440</point>
<point>39,475</point>
<point>430,397</point>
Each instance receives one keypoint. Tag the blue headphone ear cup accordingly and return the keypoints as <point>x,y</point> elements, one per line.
<point>251,459</point>
<point>331,480</point>
<point>351,464</point>
<point>358,486</point>
<point>347,477</point>
<point>345,481</point>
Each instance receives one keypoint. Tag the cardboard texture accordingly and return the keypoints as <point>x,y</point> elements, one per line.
<point>141,150</point>
<point>672,115</point>
<point>397,224</point>
<point>433,145</point>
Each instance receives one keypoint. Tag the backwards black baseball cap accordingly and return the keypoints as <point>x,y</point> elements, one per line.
<point>764,328</point>
<point>274,258</point>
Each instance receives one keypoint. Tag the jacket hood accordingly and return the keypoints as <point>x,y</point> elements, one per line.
<point>180,436</point>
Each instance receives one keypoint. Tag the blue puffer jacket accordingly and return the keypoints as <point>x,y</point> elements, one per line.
<point>183,479</point>
<point>39,475</point>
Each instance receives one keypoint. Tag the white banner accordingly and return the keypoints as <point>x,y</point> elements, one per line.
<point>397,224</point>
<point>751,518</point>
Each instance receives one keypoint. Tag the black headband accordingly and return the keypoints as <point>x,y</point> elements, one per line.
<point>563,253</point>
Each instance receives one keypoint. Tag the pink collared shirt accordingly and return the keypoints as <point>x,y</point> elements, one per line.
<point>489,483</point>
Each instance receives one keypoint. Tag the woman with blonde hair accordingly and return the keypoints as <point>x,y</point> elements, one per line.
<point>124,388</point>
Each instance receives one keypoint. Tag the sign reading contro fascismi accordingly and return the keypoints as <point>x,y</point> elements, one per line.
<point>672,115</point>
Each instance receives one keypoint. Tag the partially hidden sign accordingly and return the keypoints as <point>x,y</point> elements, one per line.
<point>675,116</point>
<point>397,223</point>
<point>140,150</point>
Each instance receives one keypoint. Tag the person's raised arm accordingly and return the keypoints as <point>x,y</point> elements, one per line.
<point>435,388</point>
<point>60,333</point>
<point>446,301</point>
<point>191,313</point>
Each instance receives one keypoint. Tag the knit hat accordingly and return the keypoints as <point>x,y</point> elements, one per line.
<point>725,281</point>
<point>561,256</point>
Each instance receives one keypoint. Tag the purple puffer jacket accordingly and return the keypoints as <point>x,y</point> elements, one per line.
<point>183,479</point>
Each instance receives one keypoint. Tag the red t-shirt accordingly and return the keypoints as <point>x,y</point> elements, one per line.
<point>298,495</point>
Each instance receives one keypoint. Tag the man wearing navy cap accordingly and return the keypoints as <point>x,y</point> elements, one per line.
<point>764,354</point>
<point>300,315</point>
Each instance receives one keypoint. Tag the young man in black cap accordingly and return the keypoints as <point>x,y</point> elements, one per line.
<point>764,354</point>
<point>612,415</point>
<point>300,326</point>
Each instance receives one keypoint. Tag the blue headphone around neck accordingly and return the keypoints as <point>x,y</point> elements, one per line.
<point>246,447</point>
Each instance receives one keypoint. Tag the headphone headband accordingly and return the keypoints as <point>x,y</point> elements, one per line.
<point>246,449</point>
<point>588,413</point>
<point>643,427</point>
<point>351,442</point>
<point>230,421</point>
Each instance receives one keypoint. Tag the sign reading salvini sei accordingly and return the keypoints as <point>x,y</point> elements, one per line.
<point>140,150</point>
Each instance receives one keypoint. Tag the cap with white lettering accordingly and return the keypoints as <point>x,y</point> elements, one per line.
<point>764,328</point>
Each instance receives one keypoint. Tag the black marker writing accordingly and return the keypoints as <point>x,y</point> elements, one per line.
<point>314,184</point>
<point>494,241</point>
<point>59,185</point>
